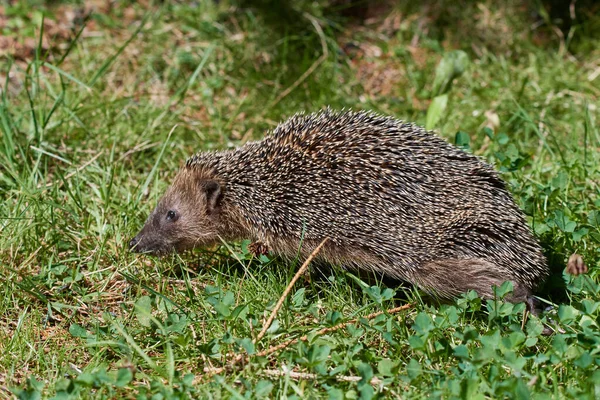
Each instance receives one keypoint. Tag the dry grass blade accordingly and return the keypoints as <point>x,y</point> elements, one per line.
<point>73,173</point>
<point>288,289</point>
<point>276,373</point>
<point>324,331</point>
<point>240,357</point>
<point>213,371</point>
<point>310,69</point>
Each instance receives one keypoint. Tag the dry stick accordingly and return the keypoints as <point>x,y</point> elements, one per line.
<point>312,68</point>
<point>324,331</point>
<point>288,289</point>
<point>272,349</point>
<point>276,373</point>
<point>71,174</point>
<point>240,357</point>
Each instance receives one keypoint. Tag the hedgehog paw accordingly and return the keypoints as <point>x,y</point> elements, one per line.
<point>258,249</point>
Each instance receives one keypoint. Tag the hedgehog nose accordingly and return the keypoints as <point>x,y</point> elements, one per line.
<point>134,242</point>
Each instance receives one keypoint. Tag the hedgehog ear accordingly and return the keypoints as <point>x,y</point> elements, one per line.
<point>213,195</point>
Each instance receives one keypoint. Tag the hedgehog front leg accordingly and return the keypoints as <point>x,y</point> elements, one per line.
<point>449,278</point>
<point>258,249</point>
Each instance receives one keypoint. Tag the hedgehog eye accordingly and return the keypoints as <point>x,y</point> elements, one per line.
<point>172,216</point>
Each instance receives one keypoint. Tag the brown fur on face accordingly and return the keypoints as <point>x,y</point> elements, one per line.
<point>187,216</point>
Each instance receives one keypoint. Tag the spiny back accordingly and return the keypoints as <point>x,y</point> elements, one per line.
<point>380,185</point>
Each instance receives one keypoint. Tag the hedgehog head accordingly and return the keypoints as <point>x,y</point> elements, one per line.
<point>187,216</point>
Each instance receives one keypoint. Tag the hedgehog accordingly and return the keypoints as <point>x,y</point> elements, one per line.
<point>392,198</point>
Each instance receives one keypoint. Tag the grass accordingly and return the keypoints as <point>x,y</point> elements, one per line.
<point>94,122</point>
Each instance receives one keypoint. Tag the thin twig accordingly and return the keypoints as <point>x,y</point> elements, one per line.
<point>288,289</point>
<point>138,147</point>
<point>238,358</point>
<point>312,68</point>
<point>210,371</point>
<point>70,174</point>
<point>324,331</point>
<point>275,373</point>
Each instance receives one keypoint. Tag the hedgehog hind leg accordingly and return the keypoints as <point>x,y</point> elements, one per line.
<point>449,278</point>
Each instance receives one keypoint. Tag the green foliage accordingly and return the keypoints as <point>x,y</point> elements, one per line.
<point>91,131</point>
<point>452,65</point>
